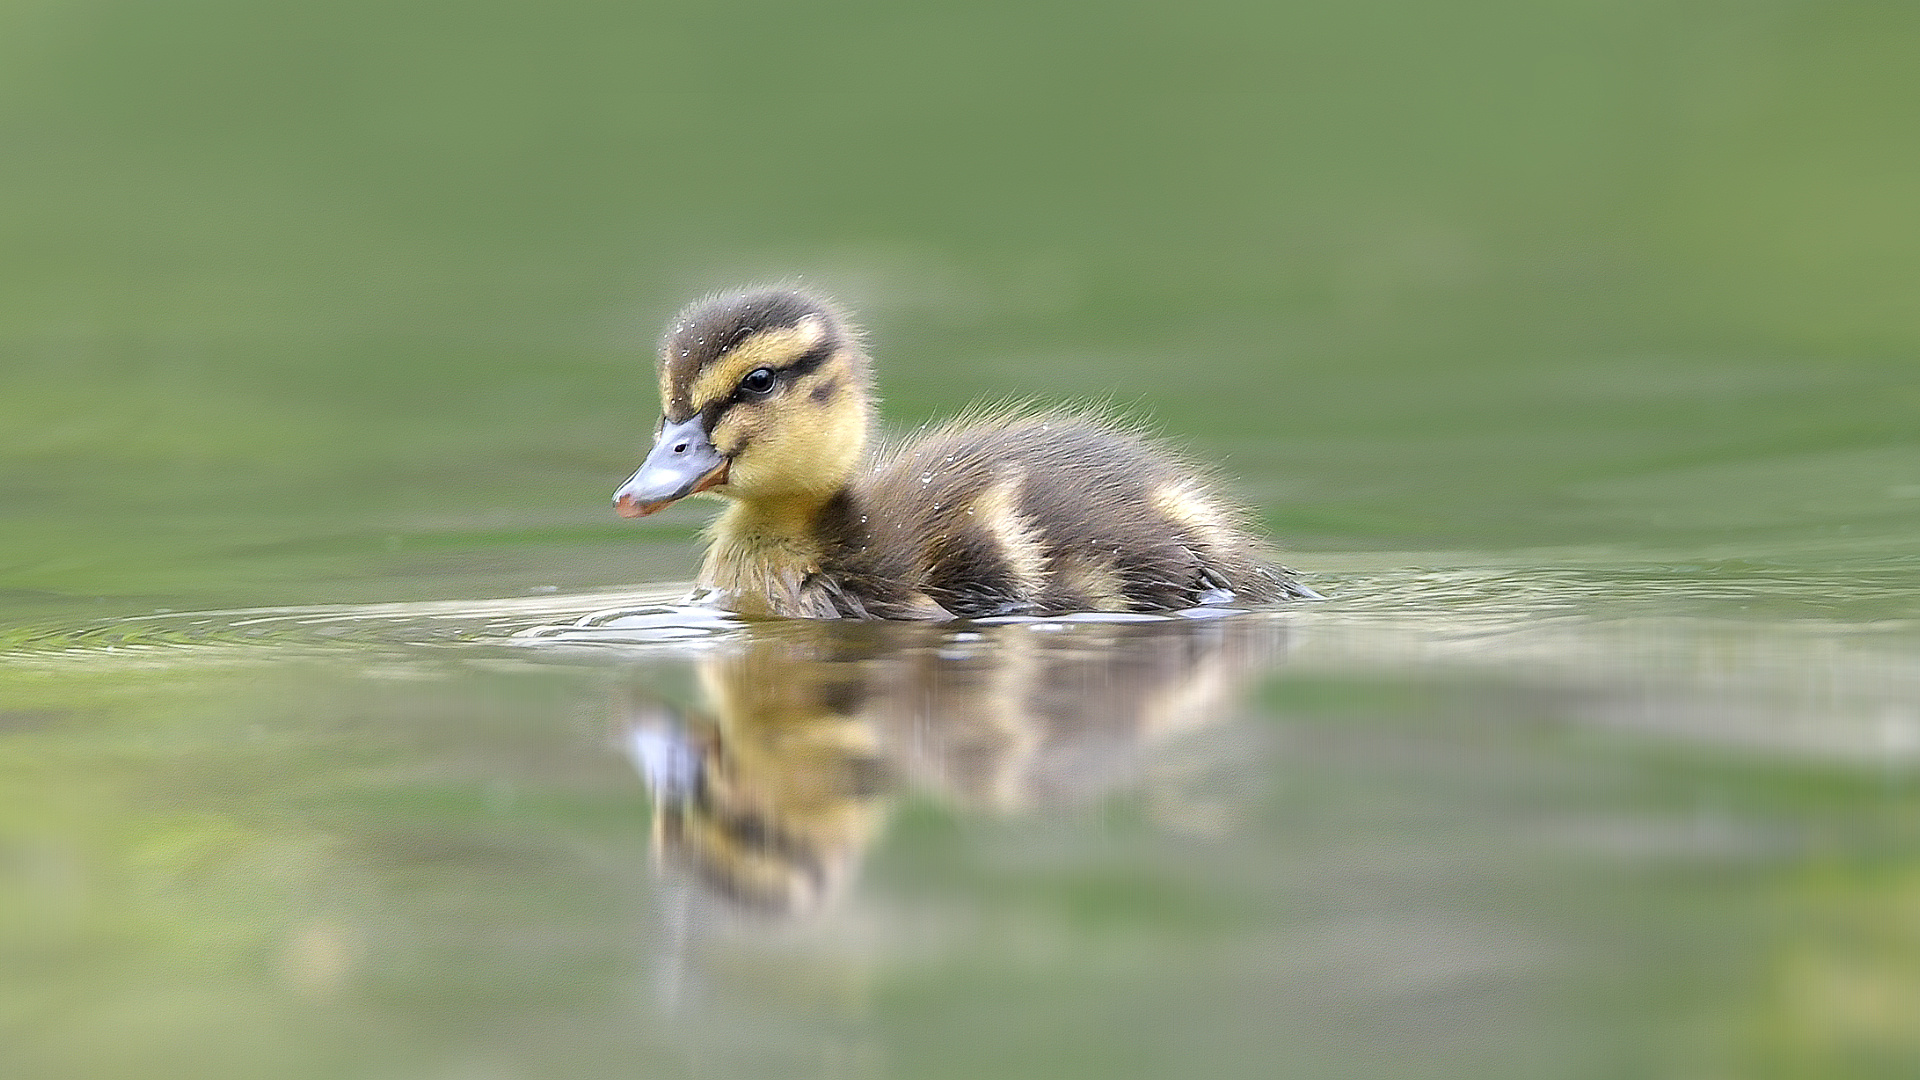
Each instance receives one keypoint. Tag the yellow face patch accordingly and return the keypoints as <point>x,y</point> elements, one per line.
<point>769,348</point>
<point>795,443</point>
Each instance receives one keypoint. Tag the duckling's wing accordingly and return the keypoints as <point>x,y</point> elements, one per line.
<point>1048,512</point>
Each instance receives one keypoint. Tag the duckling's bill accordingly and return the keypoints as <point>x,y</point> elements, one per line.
<point>683,462</point>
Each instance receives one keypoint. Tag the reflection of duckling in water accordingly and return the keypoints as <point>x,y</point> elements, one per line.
<point>772,798</point>
<point>766,400</point>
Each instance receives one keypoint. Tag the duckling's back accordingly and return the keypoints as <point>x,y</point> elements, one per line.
<point>1047,513</point>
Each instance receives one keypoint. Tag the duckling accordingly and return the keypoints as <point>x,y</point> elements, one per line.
<point>767,401</point>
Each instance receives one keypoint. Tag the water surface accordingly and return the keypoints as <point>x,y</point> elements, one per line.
<point>1491,820</point>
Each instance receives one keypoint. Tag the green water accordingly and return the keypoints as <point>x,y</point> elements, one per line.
<point>1573,350</point>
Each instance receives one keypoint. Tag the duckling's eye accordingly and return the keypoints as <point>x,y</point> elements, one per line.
<point>758,381</point>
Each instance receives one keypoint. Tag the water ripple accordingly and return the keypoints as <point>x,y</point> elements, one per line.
<point>648,614</point>
<point>654,617</point>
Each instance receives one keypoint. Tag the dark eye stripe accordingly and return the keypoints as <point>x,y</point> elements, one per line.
<point>806,362</point>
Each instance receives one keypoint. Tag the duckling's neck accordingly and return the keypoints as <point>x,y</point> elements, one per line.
<point>764,550</point>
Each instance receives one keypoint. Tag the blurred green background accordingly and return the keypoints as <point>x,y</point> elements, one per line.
<point>355,301</point>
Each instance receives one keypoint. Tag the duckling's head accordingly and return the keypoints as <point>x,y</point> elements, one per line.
<point>765,398</point>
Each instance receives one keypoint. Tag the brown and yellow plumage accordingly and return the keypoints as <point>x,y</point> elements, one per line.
<point>767,401</point>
